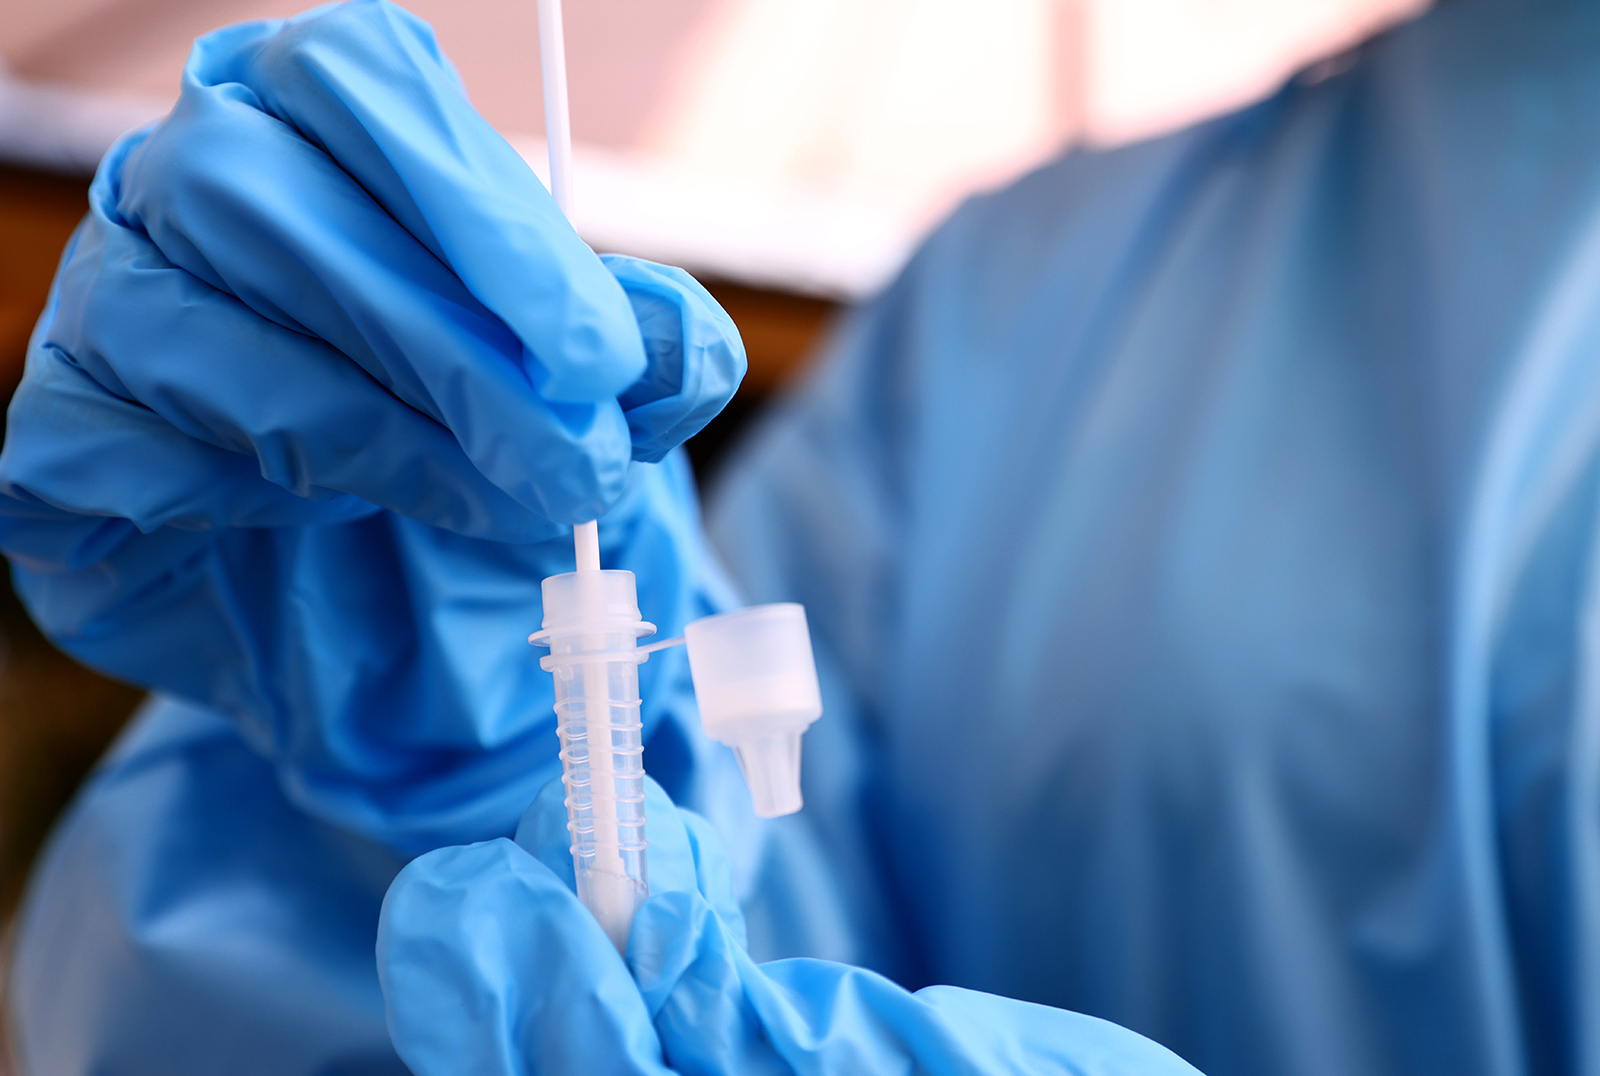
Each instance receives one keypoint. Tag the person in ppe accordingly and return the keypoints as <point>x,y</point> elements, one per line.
<point>322,385</point>
<point>1197,542</point>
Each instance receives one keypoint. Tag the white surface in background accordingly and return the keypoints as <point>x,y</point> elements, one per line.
<point>758,233</point>
<point>772,235</point>
<point>1156,65</point>
<point>796,144</point>
<point>899,104</point>
<point>65,128</point>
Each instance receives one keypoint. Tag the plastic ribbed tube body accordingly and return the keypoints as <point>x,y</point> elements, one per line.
<point>592,627</point>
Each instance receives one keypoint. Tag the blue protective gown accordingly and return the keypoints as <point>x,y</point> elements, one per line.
<point>1205,536</point>
<point>1199,543</point>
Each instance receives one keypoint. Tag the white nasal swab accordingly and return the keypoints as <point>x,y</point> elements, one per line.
<point>557,119</point>
<point>558,137</point>
<point>586,546</point>
<point>592,625</point>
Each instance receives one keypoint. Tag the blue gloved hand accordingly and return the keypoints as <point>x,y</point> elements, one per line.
<point>323,379</point>
<point>490,965</point>
<point>327,268</point>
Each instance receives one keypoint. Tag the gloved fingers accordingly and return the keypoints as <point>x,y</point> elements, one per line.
<point>696,359</point>
<point>312,422</point>
<point>242,201</point>
<point>1038,1038</point>
<point>365,82</point>
<point>718,1012</point>
<point>714,874</point>
<point>694,978</point>
<point>74,446</point>
<point>683,852</point>
<point>489,965</point>
<point>542,832</point>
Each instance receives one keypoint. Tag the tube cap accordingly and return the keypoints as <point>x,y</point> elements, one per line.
<point>580,604</point>
<point>756,681</point>
<point>588,600</point>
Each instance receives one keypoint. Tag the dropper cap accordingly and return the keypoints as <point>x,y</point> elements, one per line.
<point>771,769</point>
<point>756,681</point>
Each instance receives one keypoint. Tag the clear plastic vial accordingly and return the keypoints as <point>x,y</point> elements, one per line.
<point>592,627</point>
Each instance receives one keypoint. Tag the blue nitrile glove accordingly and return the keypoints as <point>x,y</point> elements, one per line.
<point>490,965</point>
<point>323,379</point>
<point>326,262</point>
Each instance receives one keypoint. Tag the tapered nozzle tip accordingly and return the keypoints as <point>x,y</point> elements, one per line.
<point>771,768</point>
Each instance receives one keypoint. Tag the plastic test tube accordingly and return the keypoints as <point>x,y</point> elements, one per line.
<point>592,626</point>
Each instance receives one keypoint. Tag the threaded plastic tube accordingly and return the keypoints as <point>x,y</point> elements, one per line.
<point>592,627</point>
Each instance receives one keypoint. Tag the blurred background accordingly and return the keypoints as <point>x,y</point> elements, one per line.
<point>789,152</point>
